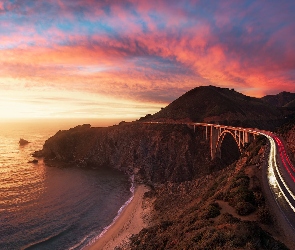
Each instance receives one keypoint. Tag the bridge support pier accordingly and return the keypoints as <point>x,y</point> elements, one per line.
<point>216,133</point>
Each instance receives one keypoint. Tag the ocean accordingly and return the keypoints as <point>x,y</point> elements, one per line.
<point>45,207</point>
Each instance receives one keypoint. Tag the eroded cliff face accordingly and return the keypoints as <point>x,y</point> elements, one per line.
<point>152,152</point>
<point>289,137</point>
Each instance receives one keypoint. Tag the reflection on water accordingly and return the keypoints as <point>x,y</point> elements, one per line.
<point>21,182</point>
<point>50,208</point>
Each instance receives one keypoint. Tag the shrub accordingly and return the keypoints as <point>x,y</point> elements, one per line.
<point>219,196</point>
<point>240,181</point>
<point>259,198</point>
<point>227,218</point>
<point>264,216</point>
<point>212,211</point>
<point>241,195</point>
<point>244,208</point>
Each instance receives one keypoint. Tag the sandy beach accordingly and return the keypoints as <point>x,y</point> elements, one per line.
<point>131,221</point>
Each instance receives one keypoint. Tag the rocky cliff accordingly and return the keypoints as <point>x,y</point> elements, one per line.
<point>288,133</point>
<point>153,152</point>
<point>290,138</point>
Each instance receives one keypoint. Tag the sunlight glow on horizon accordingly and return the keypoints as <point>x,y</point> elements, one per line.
<point>108,59</point>
<point>70,104</point>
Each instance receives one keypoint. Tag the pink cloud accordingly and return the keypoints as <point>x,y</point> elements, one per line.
<point>226,50</point>
<point>208,62</point>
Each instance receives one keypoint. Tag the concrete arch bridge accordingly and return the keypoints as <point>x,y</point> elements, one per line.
<point>216,134</point>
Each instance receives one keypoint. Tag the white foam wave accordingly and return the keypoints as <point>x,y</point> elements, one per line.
<point>132,188</point>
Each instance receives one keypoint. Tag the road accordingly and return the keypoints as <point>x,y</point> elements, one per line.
<point>281,179</point>
<point>280,175</point>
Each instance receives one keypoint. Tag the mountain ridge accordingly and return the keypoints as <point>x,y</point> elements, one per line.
<point>220,105</point>
<point>279,100</point>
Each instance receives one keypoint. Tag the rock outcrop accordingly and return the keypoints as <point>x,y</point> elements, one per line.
<point>35,161</point>
<point>289,135</point>
<point>23,142</point>
<point>153,152</point>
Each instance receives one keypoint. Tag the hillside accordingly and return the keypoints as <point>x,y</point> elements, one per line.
<point>279,100</point>
<point>288,133</point>
<point>290,104</point>
<point>224,210</point>
<point>220,105</point>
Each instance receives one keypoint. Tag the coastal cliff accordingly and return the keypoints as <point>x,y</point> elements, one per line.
<point>152,152</point>
<point>196,202</point>
<point>163,152</point>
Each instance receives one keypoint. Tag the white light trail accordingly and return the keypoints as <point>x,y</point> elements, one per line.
<point>271,175</point>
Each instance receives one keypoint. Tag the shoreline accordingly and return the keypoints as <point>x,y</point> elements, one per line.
<point>130,221</point>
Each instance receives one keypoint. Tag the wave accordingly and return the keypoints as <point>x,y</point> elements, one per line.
<point>46,241</point>
<point>132,188</point>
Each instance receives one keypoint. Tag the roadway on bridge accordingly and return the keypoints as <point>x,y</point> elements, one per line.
<point>281,178</point>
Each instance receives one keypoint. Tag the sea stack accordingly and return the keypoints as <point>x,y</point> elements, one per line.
<point>23,142</point>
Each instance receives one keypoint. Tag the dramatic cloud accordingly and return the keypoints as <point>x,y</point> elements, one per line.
<point>144,52</point>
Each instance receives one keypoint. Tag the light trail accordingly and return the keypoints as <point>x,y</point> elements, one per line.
<point>284,156</point>
<point>272,168</point>
<point>280,189</point>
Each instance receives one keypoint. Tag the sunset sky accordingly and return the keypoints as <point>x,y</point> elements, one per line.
<point>124,59</point>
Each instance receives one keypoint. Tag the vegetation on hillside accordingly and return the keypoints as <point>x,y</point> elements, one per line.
<point>224,210</point>
<point>279,100</point>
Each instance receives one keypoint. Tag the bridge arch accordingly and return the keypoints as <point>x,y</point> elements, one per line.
<point>222,135</point>
<point>216,133</point>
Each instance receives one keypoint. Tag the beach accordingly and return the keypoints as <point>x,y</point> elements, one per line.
<point>132,219</point>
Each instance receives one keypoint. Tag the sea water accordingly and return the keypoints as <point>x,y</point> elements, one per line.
<point>45,207</point>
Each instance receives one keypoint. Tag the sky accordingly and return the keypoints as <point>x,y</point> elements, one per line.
<point>124,59</point>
